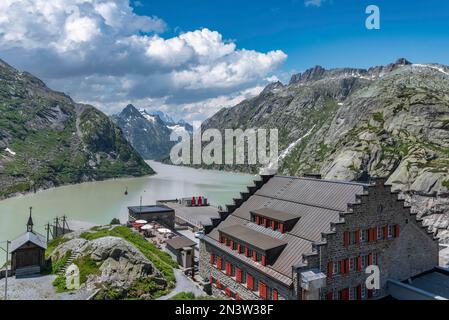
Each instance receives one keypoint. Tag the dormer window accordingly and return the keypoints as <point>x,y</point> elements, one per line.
<point>274,219</point>
<point>256,246</point>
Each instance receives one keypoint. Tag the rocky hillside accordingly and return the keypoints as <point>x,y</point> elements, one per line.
<point>47,140</point>
<point>149,133</point>
<point>110,266</point>
<point>352,124</point>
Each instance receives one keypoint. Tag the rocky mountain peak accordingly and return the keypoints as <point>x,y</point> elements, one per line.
<point>273,86</point>
<point>311,74</point>
<point>130,111</point>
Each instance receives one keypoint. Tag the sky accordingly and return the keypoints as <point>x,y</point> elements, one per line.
<point>192,58</point>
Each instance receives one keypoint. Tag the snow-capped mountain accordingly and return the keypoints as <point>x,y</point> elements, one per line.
<point>149,132</point>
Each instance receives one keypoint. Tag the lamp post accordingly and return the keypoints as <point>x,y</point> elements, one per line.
<point>6,268</point>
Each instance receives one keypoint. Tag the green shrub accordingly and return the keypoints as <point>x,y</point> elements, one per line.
<point>115,221</point>
<point>59,283</point>
<point>87,267</point>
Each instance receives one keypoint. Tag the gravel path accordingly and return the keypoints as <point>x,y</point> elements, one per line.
<point>38,288</point>
<point>183,284</point>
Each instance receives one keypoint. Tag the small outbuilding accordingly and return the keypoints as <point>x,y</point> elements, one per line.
<point>159,213</point>
<point>182,248</point>
<point>28,252</point>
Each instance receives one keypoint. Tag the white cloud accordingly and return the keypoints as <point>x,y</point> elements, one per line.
<point>102,51</point>
<point>313,3</point>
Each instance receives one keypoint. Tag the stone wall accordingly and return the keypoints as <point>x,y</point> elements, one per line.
<point>207,270</point>
<point>411,253</point>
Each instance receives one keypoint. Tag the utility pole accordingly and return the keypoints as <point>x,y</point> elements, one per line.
<point>56,227</point>
<point>6,273</point>
<point>6,268</point>
<point>47,227</point>
<point>63,224</point>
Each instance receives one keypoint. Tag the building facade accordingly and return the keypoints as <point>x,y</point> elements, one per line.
<point>303,238</point>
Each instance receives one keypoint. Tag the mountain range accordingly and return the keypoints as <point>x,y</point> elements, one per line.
<point>149,132</point>
<point>47,139</point>
<point>352,124</point>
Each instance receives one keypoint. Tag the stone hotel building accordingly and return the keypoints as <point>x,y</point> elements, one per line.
<point>307,238</point>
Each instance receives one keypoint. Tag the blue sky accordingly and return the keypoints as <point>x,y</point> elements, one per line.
<point>192,58</point>
<point>332,34</point>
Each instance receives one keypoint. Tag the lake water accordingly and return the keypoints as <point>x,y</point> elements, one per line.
<point>99,202</point>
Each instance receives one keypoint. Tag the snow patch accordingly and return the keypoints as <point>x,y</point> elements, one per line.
<point>10,151</point>
<point>440,69</point>
<point>178,129</point>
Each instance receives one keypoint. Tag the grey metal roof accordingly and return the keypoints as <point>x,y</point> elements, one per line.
<point>275,214</point>
<point>180,242</point>
<point>316,202</point>
<point>32,237</point>
<point>435,282</point>
<point>251,237</point>
<point>150,209</point>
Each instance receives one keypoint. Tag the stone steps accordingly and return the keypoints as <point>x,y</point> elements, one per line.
<point>68,263</point>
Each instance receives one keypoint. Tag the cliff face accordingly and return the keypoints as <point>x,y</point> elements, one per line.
<point>390,121</point>
<point>46,139</point>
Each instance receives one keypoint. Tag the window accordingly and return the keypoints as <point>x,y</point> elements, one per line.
<point>352,264</point>
<point>336,268</point>
<point>352,236</point>
<point>353,293</point>
<point>364,236</point>
<point>364,292</point>
<point>364,261</point>
<point>375,262</point>
<point>243,276</point>
<point>379,233</point>
<point>390,231</point>
<point>250,253</point>
<point>335,295</point>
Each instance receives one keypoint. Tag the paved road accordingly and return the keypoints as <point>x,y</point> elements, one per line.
<point>38,288</point>
<point>183,284</point>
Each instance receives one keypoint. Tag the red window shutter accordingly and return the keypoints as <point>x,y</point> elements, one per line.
<point>282,228</point>
<point>357,237</point>
<point>200,201</point>
<point>346,238</point>
<point>219,265</point>
<point>347,266</point>
<point>267,223</point>
<point>228,268</point>
<point>386,232</point>
<point>231,244</point>
<point>359,263</point>
<point>264,260</point>
<point>273,225</point>
<point>342,266</point>
<point>359,292</point>
<point>238,275</point>
<point>211,279</point>
<point>370,235</point>
<point>396,231</point>
<point>228,292</point>
<point>237,297</point>
<point>275,294</point>
<point>218,284</point>
<point>329,296</point>
<point>329,269</point>
<point>370,259</point>
<point>250,282</point>
<point>254,255</point>
<point>257,220</point>
<point>211,258</point>
<point>345,294</point>
<point>238,248</point>
<point>375,233</point>
<point>193,201</point>
<point>246,251</point>
<point>262,290</point>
